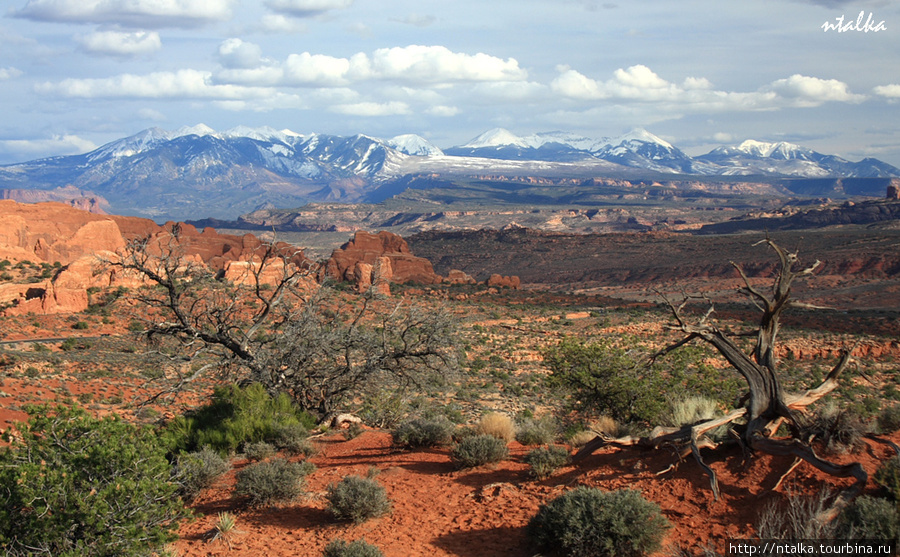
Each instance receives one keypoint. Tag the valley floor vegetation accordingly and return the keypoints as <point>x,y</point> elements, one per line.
<point>197,374</point>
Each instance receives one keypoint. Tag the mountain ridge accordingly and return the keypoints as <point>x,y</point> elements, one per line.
<point>197,171</point>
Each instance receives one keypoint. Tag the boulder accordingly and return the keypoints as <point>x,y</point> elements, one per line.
<point>500,281</point>
<point>456,276</point>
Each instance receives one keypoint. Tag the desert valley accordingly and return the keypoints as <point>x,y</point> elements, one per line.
<point>546,314</point>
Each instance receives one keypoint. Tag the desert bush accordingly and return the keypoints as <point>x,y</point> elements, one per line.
<point>546,460</point>
<point>358,499</point>
<point>478,450</point>
<point>356,548</point>
<point>75,485</point>
<point>536,432</point>
<point>889,419</point>
<point>870,518</point>
<point>423,432</point>
<point>196,471</point>
<point>234,416</point>
<point>273,481</point>
<point>353,431</point>
<point>258,451</point>
<point>293,438</point>
<point>588,522</point>
<point>497,425</point>
<point>839,430</point>
<point>888,477</point>
<point>795,517</point>
<point>690,410</point>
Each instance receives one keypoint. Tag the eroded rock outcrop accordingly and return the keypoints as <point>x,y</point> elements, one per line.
<point>375,260</point>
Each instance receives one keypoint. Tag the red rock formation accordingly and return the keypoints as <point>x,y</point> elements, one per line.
<point>503,282</point>
<point>456,276</point>
<point>367,248</point>
<point>893,190</point>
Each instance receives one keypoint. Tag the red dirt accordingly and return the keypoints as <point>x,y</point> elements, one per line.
<point>483,512</point>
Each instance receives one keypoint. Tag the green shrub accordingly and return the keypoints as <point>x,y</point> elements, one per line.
<point>536,432</point>
<point>796,517</point>
<point>690,410</point>
<point>357,548</point>
<point>888,477</point>
<point>478,450</point>
<point>293,439</point>
<point>80,325</point>
<point>235,416</point>
<point>273,481</point>
<point>870,518</point>
<point>839,430</point>
<point>889,419</point>
<point>546,460</point>
<point>421,432</point>
<point>588,522</point>
<point>196,471</point>
<point>357,499</point>
<point>76,485</point>
<point>258,451</point>
<point>499,425</point>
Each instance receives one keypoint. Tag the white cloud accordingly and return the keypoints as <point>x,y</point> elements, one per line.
<point>235,53</point>
<point>9,73</point>
<point>129,13</point>
<point>121,43</point>
<point>306,8</point>
<point>316,70</point>
<point>160,85</point>
<point>891,91</point>
<point>435,64</point>
<point>442,111</point>
<point>151,114</point>
<point>26,149</point>
<point>277,23</point>
<point>812,91</point>
<point>392,108</point>
<point>417,20</point>
<point>640,84</point>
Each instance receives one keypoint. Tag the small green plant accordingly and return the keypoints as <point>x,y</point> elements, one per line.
<point>536,432</point>
<point>356,548</point>
<point>478,450</point>
<point>423,433</point>
<point>546,460</point>
<point>80,325</point>
<point>498,425</point>
<point>889,419</point>
<point>357,499</point>
<point>224,528</point>
<point>690,410</point>
<point>197,471</point>
<point>258,451</point>
<point>588,522</point>
<point>293,439</point>
<point>353,431</point>
<point>273,481</point>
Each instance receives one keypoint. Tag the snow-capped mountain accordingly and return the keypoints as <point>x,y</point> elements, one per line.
<point>195,171</point>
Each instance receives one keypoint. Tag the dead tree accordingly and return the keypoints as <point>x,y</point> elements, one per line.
<point>277,327</point>
<point>767,403</point>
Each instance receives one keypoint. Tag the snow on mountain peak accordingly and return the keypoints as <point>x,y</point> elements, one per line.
<point>412,144</point>
<point>199,130</point>
<point>497,137</point>
<point>764,149</point>
<point>640,134</point>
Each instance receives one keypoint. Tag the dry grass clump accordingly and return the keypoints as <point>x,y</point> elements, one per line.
<point>497,425</point>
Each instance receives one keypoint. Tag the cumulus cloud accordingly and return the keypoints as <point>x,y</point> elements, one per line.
<point>121,43</point>
<point>25,149</point>
<point>417,65</point>
<point>9,73</point>
<point>306,8</point>
<point>159,85</point>
<point>640,84</point>
<point>277,23</point>
<point>128,13</point>
<point>812,91</point>
<point>235,53</point>
<point>442,111</point>
<point>891,91</point>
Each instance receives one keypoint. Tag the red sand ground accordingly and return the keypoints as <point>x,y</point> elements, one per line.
<point>482,512</point>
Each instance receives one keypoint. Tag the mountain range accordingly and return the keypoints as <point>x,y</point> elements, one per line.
<point>196,172</point>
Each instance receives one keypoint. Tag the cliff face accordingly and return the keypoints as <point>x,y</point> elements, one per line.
<point>80,241</point>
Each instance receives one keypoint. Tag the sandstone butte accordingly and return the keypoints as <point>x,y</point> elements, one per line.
<point>80,241</point>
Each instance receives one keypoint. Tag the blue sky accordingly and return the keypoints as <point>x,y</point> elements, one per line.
<point>75,74</point>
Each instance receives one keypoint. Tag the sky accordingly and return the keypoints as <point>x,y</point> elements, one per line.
<point>75,74</point>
